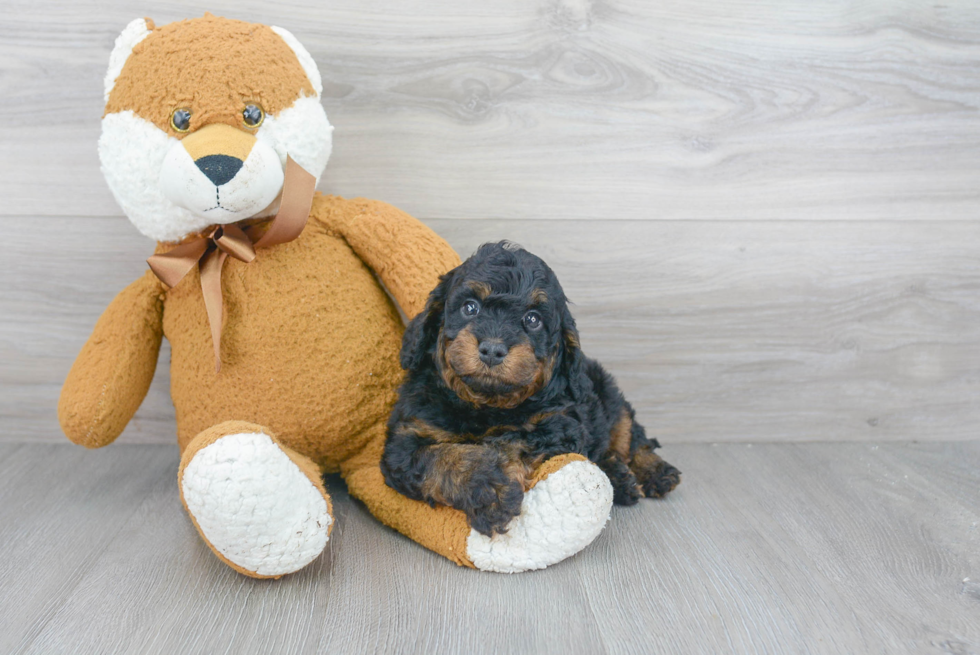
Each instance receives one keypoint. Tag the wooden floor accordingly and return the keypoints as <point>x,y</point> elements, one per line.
<point>777,548</point>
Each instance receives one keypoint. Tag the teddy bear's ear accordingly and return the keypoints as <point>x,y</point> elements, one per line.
<point>135,32</point>
<point>305,60</point>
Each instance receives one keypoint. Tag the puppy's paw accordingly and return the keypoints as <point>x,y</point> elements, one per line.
<point>493,503</point>
<point>626,489</point>
<point>661,481</point>
<point>655,476</point>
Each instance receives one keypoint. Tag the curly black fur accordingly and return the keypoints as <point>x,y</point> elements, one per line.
<point>492,393</point>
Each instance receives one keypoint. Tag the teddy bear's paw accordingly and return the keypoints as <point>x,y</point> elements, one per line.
<point>254,506</point>
<point>560,516</point>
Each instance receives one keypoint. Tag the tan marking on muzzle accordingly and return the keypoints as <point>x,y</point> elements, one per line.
<point>218,139</point>
<point>521,369</point>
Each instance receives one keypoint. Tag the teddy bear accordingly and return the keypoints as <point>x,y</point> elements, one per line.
<point>279,307</point>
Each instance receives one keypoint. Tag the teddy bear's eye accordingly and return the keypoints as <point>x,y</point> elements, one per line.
<point>180,120</point>
<point>253,115</point>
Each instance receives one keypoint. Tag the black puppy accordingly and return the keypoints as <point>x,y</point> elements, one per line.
<point>496,385</point>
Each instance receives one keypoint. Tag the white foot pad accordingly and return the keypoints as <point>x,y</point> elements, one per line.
<point>255,506</point>
<point>560,516</point>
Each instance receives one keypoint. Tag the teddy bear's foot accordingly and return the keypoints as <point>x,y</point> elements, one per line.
<point>562,513</point>
<point>261,507</point>
<point>565,509</point>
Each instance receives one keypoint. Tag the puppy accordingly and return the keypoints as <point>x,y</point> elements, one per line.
<point>496,385</point>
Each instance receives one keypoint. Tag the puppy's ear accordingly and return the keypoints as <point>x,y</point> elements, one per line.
<point>571,351</point>
<point>423,330</point>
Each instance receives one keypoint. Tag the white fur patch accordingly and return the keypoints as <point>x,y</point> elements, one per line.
<point>132,151</point>
<point>255,506</point>
<point>132,34</point>
<point>254,187</point>
<point>560,516</point>
<point>302,131</point>
<point>304,57</point>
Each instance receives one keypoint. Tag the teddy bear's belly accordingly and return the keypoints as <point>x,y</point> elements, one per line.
<point>309,349</point>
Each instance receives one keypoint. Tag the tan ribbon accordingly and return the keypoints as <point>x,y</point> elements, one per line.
<point>210,250</point>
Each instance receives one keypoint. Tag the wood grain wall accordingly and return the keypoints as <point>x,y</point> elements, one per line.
<point>766,211</point>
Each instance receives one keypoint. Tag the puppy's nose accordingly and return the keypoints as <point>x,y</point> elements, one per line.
<point>220,169</point>
<point>492,352</point>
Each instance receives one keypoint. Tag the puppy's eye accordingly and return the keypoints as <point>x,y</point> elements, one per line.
<point>532,321</point>
<point>253,115</point>
<point>180,120</point>
<point>470,308</point>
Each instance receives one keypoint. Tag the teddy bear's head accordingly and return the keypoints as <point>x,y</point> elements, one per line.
<point>200,116</point>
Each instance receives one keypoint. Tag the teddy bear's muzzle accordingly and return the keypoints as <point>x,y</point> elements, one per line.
<point>223,174</point>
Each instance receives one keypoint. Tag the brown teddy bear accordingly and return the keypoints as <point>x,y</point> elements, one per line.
<point>284,344</point>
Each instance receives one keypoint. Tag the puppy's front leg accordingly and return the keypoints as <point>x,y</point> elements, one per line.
<point>483,481</point>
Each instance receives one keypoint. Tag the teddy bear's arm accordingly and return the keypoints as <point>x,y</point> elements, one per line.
<point>112,373</point>
<point>407,256</point>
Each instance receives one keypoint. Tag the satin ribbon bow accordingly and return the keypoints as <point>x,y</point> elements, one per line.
<point>210,250</point>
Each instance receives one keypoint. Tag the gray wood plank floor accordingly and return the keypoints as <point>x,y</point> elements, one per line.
<point>764,548</point>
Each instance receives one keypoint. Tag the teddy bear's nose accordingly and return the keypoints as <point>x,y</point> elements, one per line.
<point>220,169</point>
